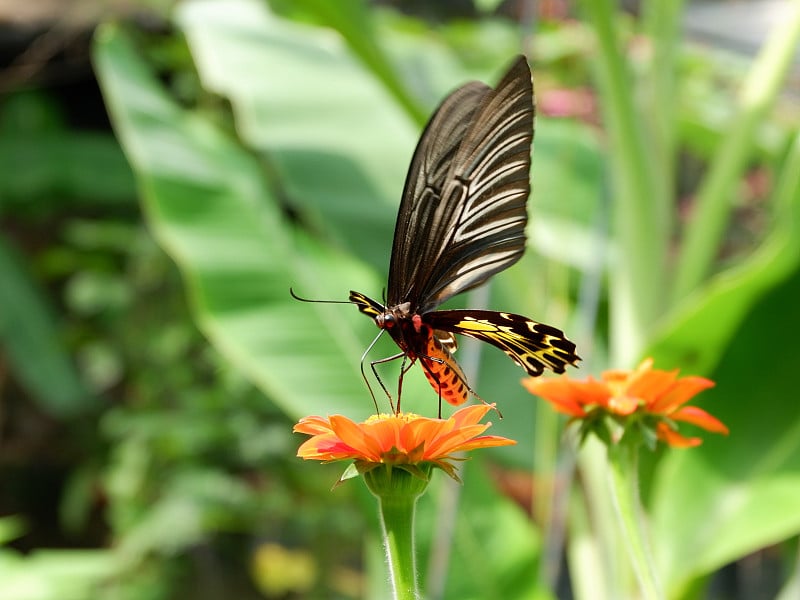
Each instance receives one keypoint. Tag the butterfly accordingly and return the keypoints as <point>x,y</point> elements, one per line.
<point>462,219</point>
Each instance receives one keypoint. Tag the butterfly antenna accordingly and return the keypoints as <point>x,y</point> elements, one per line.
<point>301,299</point>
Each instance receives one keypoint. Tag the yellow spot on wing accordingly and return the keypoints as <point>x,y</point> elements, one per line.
<point>475,325</point>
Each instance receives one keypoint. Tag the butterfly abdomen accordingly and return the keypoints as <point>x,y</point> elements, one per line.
<point>446,377</point>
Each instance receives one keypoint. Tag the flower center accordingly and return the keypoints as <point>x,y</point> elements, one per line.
<point>404,417</point>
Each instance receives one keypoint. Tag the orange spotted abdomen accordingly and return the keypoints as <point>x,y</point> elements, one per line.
<point>445,377</point>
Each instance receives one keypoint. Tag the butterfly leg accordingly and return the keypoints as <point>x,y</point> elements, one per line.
<point>447,378</point>
<point>372,364</point>
<point>403,370</point>
<point>433,376</point>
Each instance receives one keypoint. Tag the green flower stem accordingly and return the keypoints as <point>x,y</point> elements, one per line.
<point>397,491</point>
<point>397,522</point>
<point>624,483</point>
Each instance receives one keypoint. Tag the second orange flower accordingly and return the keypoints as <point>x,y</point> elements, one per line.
<point>651,399</point>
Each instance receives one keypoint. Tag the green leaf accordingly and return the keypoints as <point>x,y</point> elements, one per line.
<point>11,527</point>
<point>83,166</point>
<point>720,307</point>
<point>30,337</point>
<point>338,144</point>
<point>566,172</point>
<point>761,88</point>
<point>488,6</point>
<point>55,574</point>
<point>353,20</point>
<point>207,203</point>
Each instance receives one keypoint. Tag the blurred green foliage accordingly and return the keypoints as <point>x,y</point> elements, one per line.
<point>153,361</point>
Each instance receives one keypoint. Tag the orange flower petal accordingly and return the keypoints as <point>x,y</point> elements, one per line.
<point>452,441</point>
<point>486,441</point>
<point>697,416</point>
<point>312,425</point>
<point>683,391</point>
<point>592,392</point>
<point>384,432</point>
<point>623,405</point>
<point>356,437</point>
<point>668,435</point>
<point>617,376</point>
<point>566,395</point>
<point>325,447</point>
<point>469,415</point>
<point>651,385</point>
<point>420,431</point>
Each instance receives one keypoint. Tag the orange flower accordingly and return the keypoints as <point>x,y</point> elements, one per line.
<point>404,440</point>
<point>648,396</point>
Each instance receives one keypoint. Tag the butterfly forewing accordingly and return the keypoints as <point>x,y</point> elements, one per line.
<point>462,216</point>
<point>427,175</point>
<point>533,346</point>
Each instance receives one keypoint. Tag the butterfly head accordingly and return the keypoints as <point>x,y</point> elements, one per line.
<point>394,316</point>
<point>385,320</point>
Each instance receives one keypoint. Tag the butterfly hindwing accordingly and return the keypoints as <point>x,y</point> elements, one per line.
<point>533,346</point>
<point>366,305</point>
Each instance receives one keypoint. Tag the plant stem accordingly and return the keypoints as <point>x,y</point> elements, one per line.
<point>662,21</point>
<point>713,204</point>
<point>624,484</point>
<point>639,201</point>
<point>397,523</point>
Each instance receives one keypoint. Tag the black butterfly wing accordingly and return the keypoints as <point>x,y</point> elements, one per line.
<point>533,346</point>
<point>418,227</point>
<point>463,213</point>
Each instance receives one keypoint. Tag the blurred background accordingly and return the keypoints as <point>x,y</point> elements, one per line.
<point>168,170</point>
